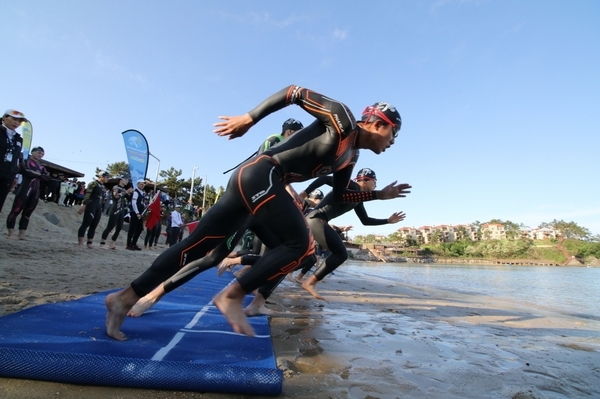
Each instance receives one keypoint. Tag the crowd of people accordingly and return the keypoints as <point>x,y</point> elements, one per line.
<point>289,231</point>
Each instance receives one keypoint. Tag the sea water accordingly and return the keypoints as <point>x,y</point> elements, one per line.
<point>573,291</point>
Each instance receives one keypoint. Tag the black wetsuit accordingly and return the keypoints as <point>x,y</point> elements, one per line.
<point>326,235</point>
<point>257,189</point>
<point>93,209</point>
<point>10,153</point>
<point>116,213</point>
<point>28,194</point>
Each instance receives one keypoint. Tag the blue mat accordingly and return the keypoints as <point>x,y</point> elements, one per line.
<point>183,343</point>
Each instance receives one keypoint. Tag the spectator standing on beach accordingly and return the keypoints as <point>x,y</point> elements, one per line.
<point>64,190</point>
<point>176,225</point>
<point>79,193</point>
<point>70,201</point>
<point>117,211</point>
<point>92,208</point>
<point>136,221</point>
<point>11,145</point>
<point>28,194</point>
<point>52,186</point>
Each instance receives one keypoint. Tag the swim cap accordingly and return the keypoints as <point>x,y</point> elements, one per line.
<point>316,194</point>
<point>291,124</point>
<point>384,111</point>
<point>38,148</point>
<point>365,174</point>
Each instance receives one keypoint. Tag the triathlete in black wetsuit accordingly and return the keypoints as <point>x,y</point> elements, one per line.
<point>257,188</point>
<point>117,212</point>
<point>28,194</point>
<point>192,269</point>
<point>318,221</point>
<point>92,206</point>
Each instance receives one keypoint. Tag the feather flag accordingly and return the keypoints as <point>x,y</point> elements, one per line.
<point>137,151</point>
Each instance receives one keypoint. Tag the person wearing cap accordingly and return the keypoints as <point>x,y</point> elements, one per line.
<point>136,222</point>
<point>256,189</point>
<point>92,208</point>
<point>11,146</point>
<point>117,212</point>
<point>289,127</point>
<point>28,194</point>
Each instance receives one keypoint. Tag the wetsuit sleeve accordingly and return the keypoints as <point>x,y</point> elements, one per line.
<point>250,259</point>
<point>330,112</point>
<point>88,192</point>
<point>45,176</point>
<point>341,192</point>
<point>361,212</point>
<point>318,182</point>
<point>26,169</point>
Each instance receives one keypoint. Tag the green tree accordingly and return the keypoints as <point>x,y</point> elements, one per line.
<point>512,230</point>
<point>171,181</point>
<point>118,169</point>
<point>569,229</point>
<point>436,237</point>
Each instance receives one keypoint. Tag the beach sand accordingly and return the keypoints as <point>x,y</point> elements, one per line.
<point>369,339</point>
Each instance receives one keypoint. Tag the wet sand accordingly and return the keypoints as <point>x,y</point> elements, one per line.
<point>369,339</point>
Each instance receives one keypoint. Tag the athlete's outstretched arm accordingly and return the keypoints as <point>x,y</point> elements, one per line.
<point>330,112</point>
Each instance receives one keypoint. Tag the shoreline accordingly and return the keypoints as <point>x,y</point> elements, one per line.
<point>370,338</point>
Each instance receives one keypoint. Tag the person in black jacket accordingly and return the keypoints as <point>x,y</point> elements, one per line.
<point>11,146</point>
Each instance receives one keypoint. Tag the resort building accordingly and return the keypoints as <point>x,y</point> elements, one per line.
<point>487,231</point>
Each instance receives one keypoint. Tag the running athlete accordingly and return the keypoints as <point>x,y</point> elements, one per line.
<point>250,246</point>
<point>257,189</point>
<point>327,237</point>
<point>117,212</point>
<point>92,206</point>
<point>28,194</point>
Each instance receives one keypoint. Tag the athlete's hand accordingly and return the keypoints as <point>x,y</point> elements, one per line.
<point>394,190</point>
<point>227,265</point>
<point>233,126</point>
<point>81,210</point>
<point>396,217</point>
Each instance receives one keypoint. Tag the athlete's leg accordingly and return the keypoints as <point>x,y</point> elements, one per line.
<point>216,225</point>
<point>328,239</point>
<point>282,218</point>
<point>112,222</point>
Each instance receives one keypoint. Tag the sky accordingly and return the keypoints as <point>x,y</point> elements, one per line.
<point>500,100</point>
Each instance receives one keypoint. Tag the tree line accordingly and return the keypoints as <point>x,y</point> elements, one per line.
<point>178,188</point>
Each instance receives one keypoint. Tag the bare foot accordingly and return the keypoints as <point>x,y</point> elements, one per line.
<point>22,238</point>
<point>229,302</point>
<point>117,305</point>
<point>257,311</point>
<point>310,286</point>
<point>290,276</point>
<point>141,307</point>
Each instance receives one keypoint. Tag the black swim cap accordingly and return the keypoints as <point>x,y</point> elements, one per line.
<point>316,194</point>
<point>366,174</point>
<point>38,148</point>
<point>384,111</point>
<point>291,124</point>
